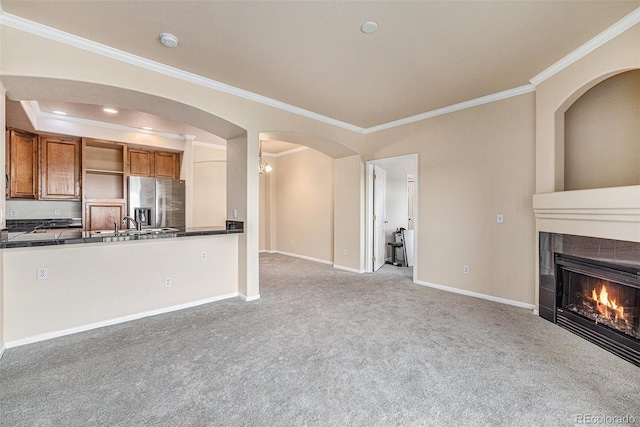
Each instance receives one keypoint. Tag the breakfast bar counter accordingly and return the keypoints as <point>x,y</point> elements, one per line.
<point>68,237</point>
<point>58,285</point>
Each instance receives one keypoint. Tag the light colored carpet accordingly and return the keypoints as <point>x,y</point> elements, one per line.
<point>322,347</point>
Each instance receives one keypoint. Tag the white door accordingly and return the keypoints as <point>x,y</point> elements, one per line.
<point>411,186</point>
<point>379,216</point>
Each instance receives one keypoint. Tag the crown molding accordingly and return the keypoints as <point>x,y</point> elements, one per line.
<point>119,55</point>
<point>455,107</point>
<point>50,33</point>
<point>607,35</point>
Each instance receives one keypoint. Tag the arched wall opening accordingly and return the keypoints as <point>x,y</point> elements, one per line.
<point>310,201</point>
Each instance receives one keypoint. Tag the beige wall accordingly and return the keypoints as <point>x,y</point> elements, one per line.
<point>268,206</point>
<point>304,205</point>
<point>602,135</point>
<point>349,232</point>
<point>472,165</point>
<point>209,186</point>
<point>2,223</point>
<point>89,283</point>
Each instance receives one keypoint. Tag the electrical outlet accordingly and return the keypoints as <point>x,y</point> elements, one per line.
<point>344,252</point>
<point>42,273</point>
<point>56,212</point>
<point>465,269</point>
<point>235,213</point>
<point>13,212</point>
<point>167,282</point>
<point>500,219</point>
<point>203,255</point>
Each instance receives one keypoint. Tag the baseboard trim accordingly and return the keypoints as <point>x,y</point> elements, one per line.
<point>476,295</point>
<point>247,299</point>
<point>115,321</point>
<point>352,270</point>
<point>2,350</point>
<point>321,261</point>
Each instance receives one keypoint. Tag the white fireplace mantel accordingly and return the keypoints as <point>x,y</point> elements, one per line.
<point>612,213</point>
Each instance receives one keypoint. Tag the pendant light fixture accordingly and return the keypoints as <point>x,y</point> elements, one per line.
<point>263,166</point>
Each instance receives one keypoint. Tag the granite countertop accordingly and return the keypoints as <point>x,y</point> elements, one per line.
<point>67,237</point>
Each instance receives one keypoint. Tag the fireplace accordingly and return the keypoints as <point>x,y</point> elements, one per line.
<point>595,295</point>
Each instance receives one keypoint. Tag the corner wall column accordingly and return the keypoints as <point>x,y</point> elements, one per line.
<point>243,195</point>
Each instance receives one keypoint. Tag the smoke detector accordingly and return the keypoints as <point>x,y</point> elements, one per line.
<point>369,27</point>
<point>169,40</point>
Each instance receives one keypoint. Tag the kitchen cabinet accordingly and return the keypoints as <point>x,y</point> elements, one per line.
<point>167,164</point>
<point>104,183</point>
<point>101,215</point>
<point>140,162</point>
<point>153,163</point>
<point>103,171</point>
<point>59,168</point>
<point>22,167</point>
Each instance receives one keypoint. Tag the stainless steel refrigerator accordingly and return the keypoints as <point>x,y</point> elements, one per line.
<point>157,202</point>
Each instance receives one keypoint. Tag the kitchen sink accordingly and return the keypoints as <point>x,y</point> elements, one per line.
<point>133,232</point>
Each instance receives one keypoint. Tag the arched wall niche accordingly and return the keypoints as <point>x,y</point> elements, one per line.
<point>583,97</point>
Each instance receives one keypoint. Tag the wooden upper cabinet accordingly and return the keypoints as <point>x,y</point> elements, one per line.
<point>153,163</point>
<point>167,164</point>
<point>59,168</point>
<point>23,165</point>
<point>140,162</point>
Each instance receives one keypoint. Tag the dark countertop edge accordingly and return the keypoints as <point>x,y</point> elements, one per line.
<point>204,231</point>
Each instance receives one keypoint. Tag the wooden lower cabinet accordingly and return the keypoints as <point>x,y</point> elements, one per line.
<point>101,215</point>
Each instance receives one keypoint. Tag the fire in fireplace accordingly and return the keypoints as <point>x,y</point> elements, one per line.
<point>600,302</point>
<point>603,301</point>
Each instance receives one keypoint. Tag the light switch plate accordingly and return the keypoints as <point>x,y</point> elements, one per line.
<point>500,219</point>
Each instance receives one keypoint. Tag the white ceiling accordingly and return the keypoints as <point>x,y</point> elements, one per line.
<point>312,55</point>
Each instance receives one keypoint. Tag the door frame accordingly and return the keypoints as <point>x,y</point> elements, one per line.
<point>368,251</point>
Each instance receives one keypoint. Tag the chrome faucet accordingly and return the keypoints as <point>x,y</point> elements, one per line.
<point>137,223</point>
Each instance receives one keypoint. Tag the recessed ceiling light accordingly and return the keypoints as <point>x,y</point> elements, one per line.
<point>62,113</point>
<point>110,110</point>
<point>369,27</point>
<point>169,40</point>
